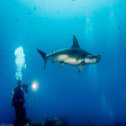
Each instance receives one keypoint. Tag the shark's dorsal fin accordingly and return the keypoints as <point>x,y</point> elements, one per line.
<point>75,42</point>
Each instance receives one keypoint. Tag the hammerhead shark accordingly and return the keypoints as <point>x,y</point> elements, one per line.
<point>73,56</point>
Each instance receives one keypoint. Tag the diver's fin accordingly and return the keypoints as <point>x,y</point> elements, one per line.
<point>75,42</point>
<point>43,54</point>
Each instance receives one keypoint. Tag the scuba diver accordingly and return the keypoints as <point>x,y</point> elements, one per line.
<point>18,102</point>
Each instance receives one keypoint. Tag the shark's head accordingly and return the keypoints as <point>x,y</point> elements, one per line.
<point>92,59</point>
<point>98,58</point>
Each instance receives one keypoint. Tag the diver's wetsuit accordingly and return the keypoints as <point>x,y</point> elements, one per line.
<point>18,103</point>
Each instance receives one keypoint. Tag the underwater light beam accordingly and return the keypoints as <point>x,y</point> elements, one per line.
<point>89,37</point>
<point>20,62</point>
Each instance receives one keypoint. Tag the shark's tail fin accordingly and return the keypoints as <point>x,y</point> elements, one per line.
<point>43,54</point>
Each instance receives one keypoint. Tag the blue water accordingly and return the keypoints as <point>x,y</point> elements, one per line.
<point>98,93</point>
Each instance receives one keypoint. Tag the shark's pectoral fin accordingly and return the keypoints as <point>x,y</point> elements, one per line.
<point>61,63</point>
<point>43,54</point>
<point>81,67</point>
